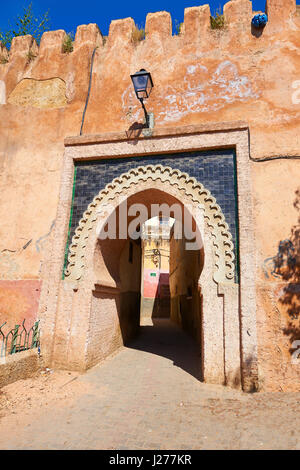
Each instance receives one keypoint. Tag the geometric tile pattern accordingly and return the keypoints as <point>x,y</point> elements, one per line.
<point>214,169</point>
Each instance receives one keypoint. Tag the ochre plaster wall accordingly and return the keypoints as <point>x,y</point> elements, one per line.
<point>185,270</point>
<point>277,219</point>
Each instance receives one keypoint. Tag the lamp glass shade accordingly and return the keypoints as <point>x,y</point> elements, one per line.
<point>142,83</point>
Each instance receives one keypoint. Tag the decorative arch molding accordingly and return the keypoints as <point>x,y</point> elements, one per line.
<point>228,319</point>
<point>194,192</point>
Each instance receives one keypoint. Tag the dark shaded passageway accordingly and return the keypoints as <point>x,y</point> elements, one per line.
<point>164,338</point>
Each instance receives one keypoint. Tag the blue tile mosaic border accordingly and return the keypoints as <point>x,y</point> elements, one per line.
<point>215,169</point>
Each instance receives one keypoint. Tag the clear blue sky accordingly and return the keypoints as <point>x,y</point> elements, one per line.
<point>68,14</point>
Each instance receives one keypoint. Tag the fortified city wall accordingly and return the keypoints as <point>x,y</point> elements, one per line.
<point>201,76</point>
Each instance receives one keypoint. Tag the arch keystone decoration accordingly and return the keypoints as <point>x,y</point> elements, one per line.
<point>194,192</point>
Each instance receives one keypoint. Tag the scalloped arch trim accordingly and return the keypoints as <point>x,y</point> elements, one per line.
<point>193,190</point>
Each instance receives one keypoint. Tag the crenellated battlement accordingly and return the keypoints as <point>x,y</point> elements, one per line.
<point>196,28</point>
<point>201,74</point>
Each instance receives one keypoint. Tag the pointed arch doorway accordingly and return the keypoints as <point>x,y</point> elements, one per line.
<point>92,278</point>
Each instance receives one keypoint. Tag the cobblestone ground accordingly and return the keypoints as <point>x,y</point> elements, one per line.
<point>147,396</point>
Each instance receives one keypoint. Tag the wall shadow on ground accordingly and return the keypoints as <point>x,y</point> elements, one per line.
<point>166,339</point>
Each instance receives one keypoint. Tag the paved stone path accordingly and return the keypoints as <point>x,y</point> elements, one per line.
<point>148,396</point>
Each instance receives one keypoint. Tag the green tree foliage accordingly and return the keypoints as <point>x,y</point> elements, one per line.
<point>217,21</point>
<point>138,34</point>
<point>178,27</point>
<point>27,23</point>
<point>68,43</point>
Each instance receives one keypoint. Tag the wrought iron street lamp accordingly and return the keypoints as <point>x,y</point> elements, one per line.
<point>143,84</point>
